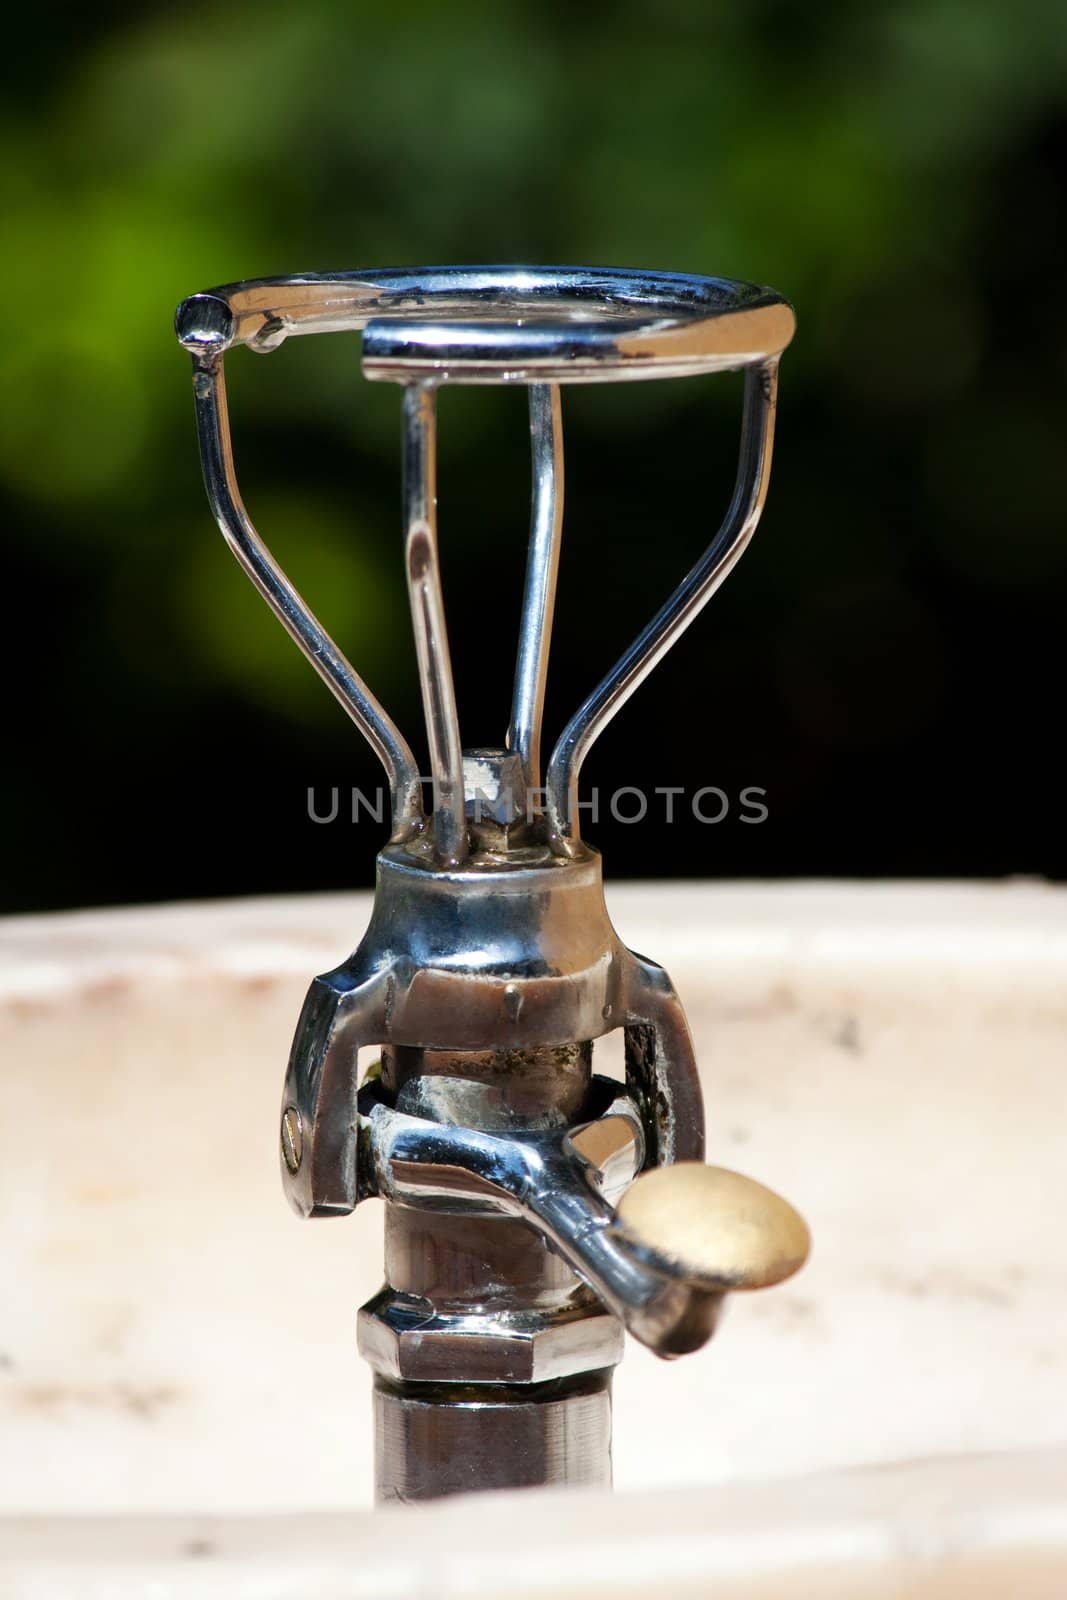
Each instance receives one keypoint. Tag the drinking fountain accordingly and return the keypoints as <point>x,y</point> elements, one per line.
<point>535,1208</point>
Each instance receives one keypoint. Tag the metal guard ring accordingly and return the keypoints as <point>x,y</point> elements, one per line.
<point>504,324</point>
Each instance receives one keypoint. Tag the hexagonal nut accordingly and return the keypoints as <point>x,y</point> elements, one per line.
<point>406,1340</point>
<point>494,786</point>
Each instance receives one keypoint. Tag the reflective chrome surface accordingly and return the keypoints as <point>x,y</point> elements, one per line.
<point>220,479</point>
<point>428,620</point>
<point>433,1440</point>
<point>505,957</point>
<point>529,1217</point>
<point>503,324</point>
<point>480,1299</point>
<point>671,621</point>
<point>546,1181</point>
<point>542,327</point>
<point>538,601</point>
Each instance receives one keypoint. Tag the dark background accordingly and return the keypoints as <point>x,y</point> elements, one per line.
<point>886,660</point>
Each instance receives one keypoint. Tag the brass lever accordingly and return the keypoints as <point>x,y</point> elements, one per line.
<point>714,1227</point>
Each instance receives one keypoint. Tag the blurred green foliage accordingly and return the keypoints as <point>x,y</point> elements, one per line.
<point>897,169</point>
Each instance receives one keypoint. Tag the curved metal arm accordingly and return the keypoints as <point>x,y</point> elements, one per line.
<point>220,480</point>
<point>428,620</point>
<point>545,1181</point>
<point>542,566</point>
<point>692,594</point>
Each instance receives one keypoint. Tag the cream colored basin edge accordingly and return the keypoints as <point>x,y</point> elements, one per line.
<point>172,1340</point>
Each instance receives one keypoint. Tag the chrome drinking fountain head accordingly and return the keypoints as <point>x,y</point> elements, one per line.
<point>533,1208</point>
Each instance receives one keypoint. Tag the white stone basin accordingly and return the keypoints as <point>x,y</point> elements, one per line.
<point>184,1412</point>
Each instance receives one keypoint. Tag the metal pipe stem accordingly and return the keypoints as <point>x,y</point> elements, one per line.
<point>492,1360</point>
<point>432,1440</point>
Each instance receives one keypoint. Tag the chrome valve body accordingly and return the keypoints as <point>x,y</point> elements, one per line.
<point>534,1208</point>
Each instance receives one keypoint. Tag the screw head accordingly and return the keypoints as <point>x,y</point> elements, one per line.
<point>292,1138</point>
